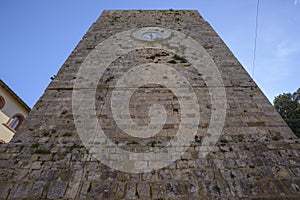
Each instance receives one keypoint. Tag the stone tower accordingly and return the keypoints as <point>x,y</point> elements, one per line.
<point>151,105</point>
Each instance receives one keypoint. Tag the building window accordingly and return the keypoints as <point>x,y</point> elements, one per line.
<point>2,102</point>
<point>15,121</point>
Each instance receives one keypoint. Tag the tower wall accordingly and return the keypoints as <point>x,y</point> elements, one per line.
<point>251,152</point>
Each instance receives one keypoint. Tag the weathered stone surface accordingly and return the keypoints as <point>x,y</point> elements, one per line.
<point>158,190</point>
<point>21,190</point>
<point>180,189</point>
<point>37,190</point>
<point>143,190</point>
<point>256,157</point>
<point>5,189</point>
<point>57,190</point>
<point>99,190</point>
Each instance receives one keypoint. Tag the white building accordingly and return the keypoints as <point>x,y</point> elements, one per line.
<point>13,111</point>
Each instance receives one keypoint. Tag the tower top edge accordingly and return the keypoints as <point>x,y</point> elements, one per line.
<point>151,10</point>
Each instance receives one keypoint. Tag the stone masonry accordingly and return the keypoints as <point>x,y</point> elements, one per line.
<point>252,154</point>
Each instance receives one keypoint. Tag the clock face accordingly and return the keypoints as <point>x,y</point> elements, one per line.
<point>151,35</point>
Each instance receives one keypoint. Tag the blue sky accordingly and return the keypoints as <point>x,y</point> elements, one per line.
<point>37,36</point>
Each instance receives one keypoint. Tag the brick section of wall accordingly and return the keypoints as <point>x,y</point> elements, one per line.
<point>256,157</point>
